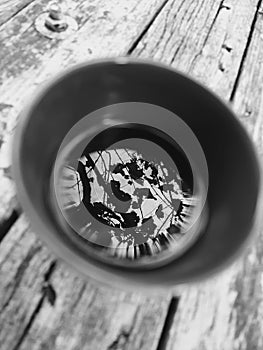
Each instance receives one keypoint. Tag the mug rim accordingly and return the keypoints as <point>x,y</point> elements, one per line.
<point>60,248</point>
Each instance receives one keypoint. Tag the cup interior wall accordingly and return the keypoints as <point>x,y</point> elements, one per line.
<point>234,178</point>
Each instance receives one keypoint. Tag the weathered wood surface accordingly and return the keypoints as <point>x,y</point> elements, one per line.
<point>44,305</point>
<point>108,318</point>
<point>52,308</point>
<point>9,8</point>
<point>27,59</point>
<point>226,313</point>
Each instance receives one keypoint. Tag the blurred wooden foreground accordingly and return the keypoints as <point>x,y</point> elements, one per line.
<point>43,304</point>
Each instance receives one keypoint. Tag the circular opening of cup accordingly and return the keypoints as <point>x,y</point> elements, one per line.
<point>129,187</point>
<point>170,106</point>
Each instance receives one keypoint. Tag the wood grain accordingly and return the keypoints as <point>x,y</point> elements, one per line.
<point>23,265</point>
<point>204,38</point>
<point>225,312</point>
<point>27,59</point>
<point>248,98</point>
<point>39,296</point>
<point>45,305</point>
<point>9,8</point>
<point>100,318</point>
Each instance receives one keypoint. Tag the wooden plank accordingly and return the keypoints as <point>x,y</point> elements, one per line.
<point>194,16</point>
<point>248,98</point>
<point>204,39</point>
<point>9,8</point>
<point>225,312</point>
<point>24,262</point>
<point>100,318</point>
<point>44,305</point>
<point>105,28</point>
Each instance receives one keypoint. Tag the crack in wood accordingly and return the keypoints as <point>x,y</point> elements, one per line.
<point>50,271</point>
<point>124,334</point>
<point>15,13</point>
<point>207,36</point>
<point>227,48</point>
<point>6,225</point>
<point>244,56</point>
<point>120,340</point>
<point>80,294</point>
<point>176,52</point>
<point>213,22</point>
<point>221,67</point>
<point>47,277</point>
<point>165,27</point>
<point>182,40</point>
<point>20,272</point>
<point>172,33</point>
<point>227,7</point>
<point>143,33</point>
<point>168,323</point>
<point>50,293</point>
<point>166,22</point>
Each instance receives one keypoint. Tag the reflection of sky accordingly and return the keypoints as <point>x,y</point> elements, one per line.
<point>160,208</point>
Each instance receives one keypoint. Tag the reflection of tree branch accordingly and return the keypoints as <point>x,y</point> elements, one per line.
<point>67,166</point>
<point>93,167</point>
<point>156,209</point>
<point>107,175</point>
<point>162,191</point>
<point>124,186</point>
<point>75,184</point>
<point>158,184</point>
<point>128,153</point>
<point>105,166</point>
<point>109,154</point>
<point>168,216</point>
<point>85,183</point>
<point>163,174</point>
<point>162,199</point>
<point>93,163</point>
<point>130,178</point>
<point>157,194</point>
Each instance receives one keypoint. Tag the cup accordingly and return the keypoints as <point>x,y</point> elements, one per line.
<point>183,169</point>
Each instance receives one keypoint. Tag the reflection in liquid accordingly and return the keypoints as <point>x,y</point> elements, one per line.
<point>131,201</point>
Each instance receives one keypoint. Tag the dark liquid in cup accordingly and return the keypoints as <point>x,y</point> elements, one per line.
<point>130,196</point>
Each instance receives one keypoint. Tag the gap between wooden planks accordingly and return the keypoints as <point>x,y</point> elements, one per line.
<point>180,21</point>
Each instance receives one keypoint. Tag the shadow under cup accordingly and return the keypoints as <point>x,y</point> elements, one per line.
<point>234,175</point>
